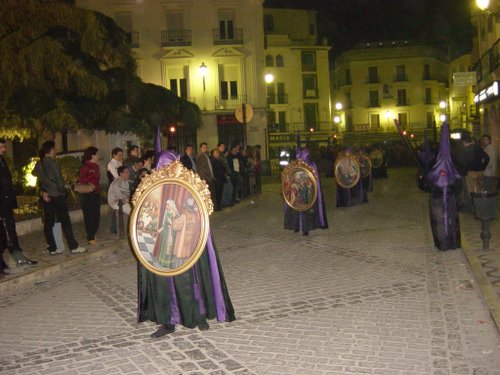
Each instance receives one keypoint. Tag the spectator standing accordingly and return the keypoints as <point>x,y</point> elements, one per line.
<point>227,193</point>
<point>120,190</point>
<point>54,199</point>
<point>251,170</point>
<point>148,159</point>
<point>132,156</point>
<point>188,159</point>
<point>204,168</point>
<point>112,168</point>
<point>219,177</point>
<point>115,162</point>
<point>234,168</point>
<point>8,201</point>
<point>490,172</point>
<point>258,178</point>
<point>91,202</point>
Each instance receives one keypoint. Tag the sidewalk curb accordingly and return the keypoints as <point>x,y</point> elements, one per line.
<point>41,274</point>
<point>490,296</point>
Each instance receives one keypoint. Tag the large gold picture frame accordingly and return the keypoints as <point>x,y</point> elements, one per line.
<point>299,186</point>
<point>169,223</point>
<point>347,171</point>
<point>365,164</point>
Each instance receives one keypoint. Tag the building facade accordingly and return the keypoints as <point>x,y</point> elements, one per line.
<point>210,53</point>
<point>297,79</point>
<point>485,58</point>
<point>379,82</point>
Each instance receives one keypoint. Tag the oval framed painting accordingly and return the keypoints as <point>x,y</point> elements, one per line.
<point>169,222</point>
<point>376,158</point>
<point>299,186</point>
<point>365,165</point>
<point>347,171</point>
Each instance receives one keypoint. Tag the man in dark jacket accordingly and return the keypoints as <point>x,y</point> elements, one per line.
<point>188,159</point>
<point>8,201</point>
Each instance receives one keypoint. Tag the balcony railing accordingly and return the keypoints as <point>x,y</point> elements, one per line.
<point>229,36</point>
<point>277,99</point>
<point>402,102</point>
<point>373,80</point>
<point>373,103</point>
<point>133,39</point>
<point>400,77</point>
<point>310,93</point>
<point>172,38</point>
<point>488,62</point>
<point>230,102</point>
<point>292,127</point>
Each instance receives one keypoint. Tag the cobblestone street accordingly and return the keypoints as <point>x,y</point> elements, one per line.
<point>370,295</point>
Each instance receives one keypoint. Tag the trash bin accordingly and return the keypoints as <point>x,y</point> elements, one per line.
<point>484,206</point>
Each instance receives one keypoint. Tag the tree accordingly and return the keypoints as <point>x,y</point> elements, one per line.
<point>64,67</point>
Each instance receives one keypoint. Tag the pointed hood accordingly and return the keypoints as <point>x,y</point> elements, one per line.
<point>444,173</point>
<point>166,157</point>
<point>426,156</point>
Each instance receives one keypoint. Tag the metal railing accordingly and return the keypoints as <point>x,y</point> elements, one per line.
<point>133,39</point>
<point>488,62</point>
<point>229,36</point>
<point>175,38</point>
<point>277,99</point>
<point>231,102</point>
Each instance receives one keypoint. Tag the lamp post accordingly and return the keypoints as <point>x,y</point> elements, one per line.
<point>203,72</point>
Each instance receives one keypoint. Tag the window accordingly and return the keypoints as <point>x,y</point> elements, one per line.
<point>374,121</point>
<point>228,90</point>
<point>372,74</point>
<point>374,98</point>
<point>348,76</point>
<point>430,120</point>
<point>348,123</point>
<point>312,29</point>
<point>402,97</point>
<point>268,23</point>
<point>348,103</point>
<point>427,71</point>
<point>281,93</point>
<point>179,87</point>
<point>279,61</point>
<point>269,60</point>
<point>310,116</point>
<point>226,24</point>
<point>309,83</point>
<point>428,95</point>
<point>403,120</point>
<point>271,95</point>
<point>308,59</point>
<point>175,21</point>
<point>282,121</point>
<point>400,73</point>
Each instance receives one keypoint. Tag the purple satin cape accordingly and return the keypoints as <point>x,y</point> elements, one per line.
<point>444,173</point>
<point>164,159</point>
<point>303,154</point>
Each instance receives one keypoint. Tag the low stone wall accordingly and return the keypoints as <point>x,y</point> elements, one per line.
<point>33,225</point>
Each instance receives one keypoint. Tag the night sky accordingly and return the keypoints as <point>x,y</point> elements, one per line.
<point>441,23</point>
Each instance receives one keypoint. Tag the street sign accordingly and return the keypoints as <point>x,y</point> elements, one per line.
<point>464,78</point>
<point>238,113</point>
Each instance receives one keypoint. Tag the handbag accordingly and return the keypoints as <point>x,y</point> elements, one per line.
<point>83,188</point>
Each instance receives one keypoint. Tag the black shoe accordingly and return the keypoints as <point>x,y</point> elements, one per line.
<point>26,262</point>
<point>203,326</point>
<point>164,329</point>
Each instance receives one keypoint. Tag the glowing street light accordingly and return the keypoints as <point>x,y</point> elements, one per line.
<point>483,4</point>
<point>442,118</point>
<point>269,78</point>
<point>442,104</point>
<point>338,106</point>
<point>336,119</point>
<point>203,72</point>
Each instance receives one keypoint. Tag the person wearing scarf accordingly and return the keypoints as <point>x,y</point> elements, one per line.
<point>188,299</point>
<point>445,185</point>
<point>313,218</point>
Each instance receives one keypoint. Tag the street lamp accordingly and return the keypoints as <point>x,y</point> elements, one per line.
<point>203,72</point>
<point>338,106</point>
<point>483,4</point>
<point>269,78</point>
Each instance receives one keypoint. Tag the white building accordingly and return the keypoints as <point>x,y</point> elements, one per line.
<point>210,53</point>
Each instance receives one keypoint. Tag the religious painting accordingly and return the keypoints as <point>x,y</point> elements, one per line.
<point>365,165</point>
<point>376,158</point>
<point>169,221</point>
<point>299,186</point>
<point>347,171</point>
